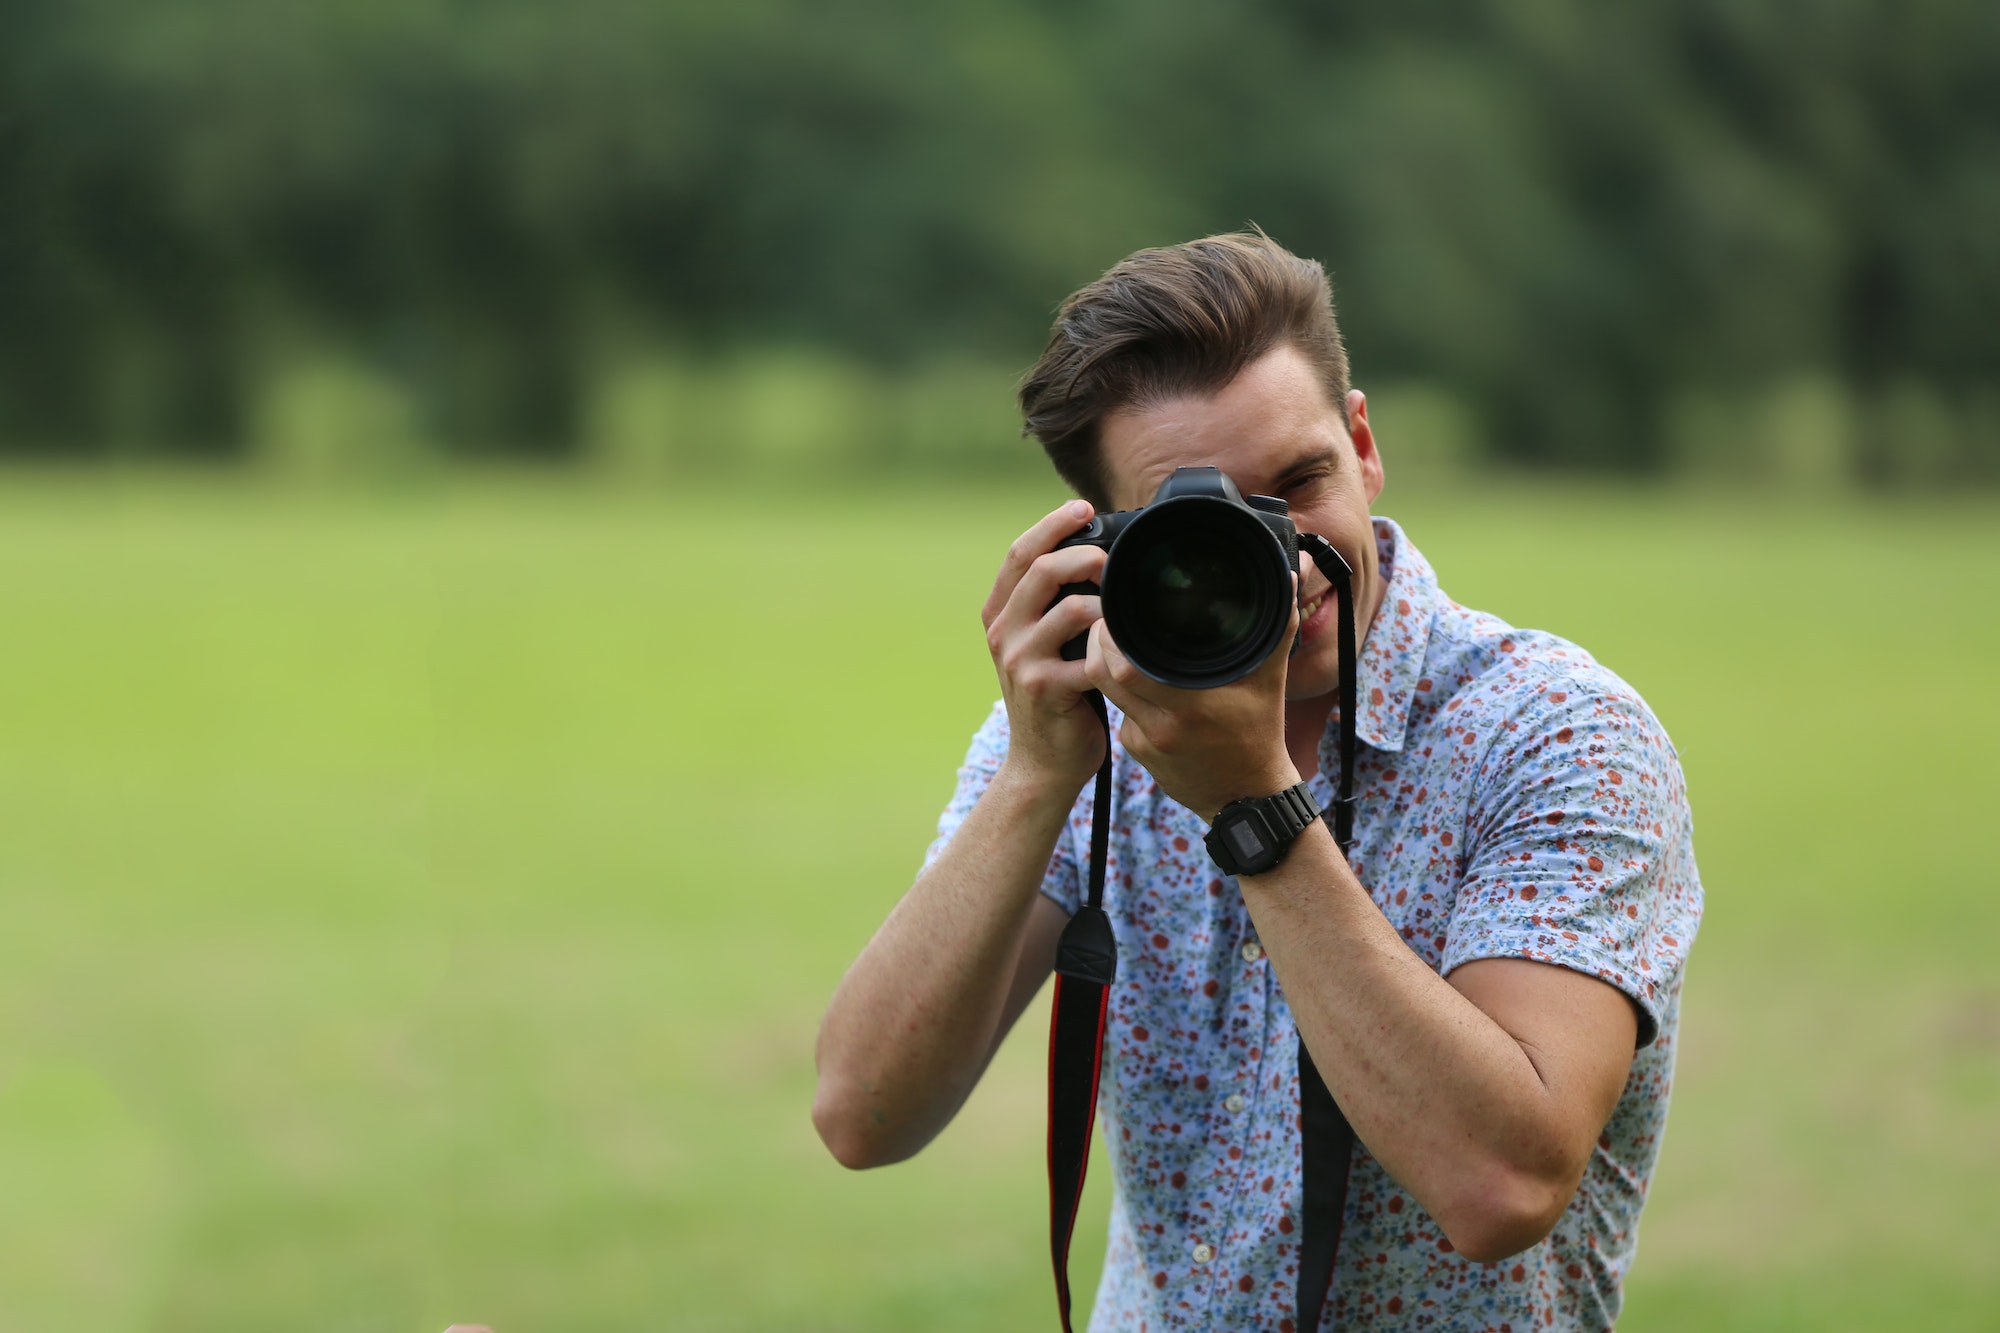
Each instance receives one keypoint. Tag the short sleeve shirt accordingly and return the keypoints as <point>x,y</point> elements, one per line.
<point>1516,800</point>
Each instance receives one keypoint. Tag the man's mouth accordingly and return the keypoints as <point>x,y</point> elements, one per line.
<point>1308,610</point>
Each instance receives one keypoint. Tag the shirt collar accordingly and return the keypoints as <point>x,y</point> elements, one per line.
<point>1392,654</point>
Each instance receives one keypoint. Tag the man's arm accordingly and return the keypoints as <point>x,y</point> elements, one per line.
<point>1482,1094</point>
<point>919,1014</point>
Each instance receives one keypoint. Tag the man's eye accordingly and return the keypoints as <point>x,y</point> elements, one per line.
<point>1307,481</point>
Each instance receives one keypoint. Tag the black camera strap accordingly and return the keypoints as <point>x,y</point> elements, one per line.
<point>1326,1140</point>
<point>1086,964</point>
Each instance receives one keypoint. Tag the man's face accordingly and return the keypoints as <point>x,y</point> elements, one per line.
<point>1272,431</point>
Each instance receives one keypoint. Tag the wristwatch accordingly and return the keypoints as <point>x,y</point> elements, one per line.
<point>1252,836</point>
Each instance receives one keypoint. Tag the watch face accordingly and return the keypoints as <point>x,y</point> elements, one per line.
<point>1246,838</point>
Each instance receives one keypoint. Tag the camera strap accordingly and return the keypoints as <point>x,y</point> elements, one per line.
<point>1326,1140</point>
<point>1086,964</point>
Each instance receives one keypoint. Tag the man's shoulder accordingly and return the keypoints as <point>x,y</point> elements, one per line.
<point>1513,711</point>
<point>1480,665</point>
<point>1436,663</point>
<point>1529,724</point>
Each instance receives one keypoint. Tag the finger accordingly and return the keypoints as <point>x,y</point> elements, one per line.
<point>1030,546</point>
<point>1110,671</point>
<point>1027,655</point>
<point>1134,684</point>
<point>1072,616</point>
<point>1053,684</point>
<point>1277,663</point>
<point>1137,742</point>
<point>1036,590</point>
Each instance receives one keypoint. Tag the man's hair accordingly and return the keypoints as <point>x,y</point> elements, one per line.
<point>1163,323</point>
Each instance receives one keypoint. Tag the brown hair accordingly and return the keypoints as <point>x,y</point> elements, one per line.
<point>1183,319</point>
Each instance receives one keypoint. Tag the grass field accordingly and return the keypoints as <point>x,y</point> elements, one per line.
<point>420,909</point>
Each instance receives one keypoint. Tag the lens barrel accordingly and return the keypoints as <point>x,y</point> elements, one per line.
<point>1198,588</point>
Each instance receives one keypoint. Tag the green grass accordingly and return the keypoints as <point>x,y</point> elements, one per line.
<point>416,910</point>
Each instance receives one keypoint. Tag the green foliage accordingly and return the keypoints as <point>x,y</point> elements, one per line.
<point>802,416</point>
<point>328,418</point>
<point>1801,433</point>
<point>1576,216</point>
<point>1426,434</point>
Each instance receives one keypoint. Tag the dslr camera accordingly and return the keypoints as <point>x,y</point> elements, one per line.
<point>1198,584</point>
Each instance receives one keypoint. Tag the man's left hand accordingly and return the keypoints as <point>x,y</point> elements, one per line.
<point>1205,748</point>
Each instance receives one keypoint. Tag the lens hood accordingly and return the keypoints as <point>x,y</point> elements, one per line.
<point>1198,587</point>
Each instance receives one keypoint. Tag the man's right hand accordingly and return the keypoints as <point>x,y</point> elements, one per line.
<point>1054,737</point>
<point>914,1021</point>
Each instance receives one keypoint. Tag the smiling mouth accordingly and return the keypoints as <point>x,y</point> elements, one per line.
<point>1308,609</point>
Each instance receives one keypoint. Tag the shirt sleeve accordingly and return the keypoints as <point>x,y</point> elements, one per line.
<point>1061,883</point>
<point>1581,853</point>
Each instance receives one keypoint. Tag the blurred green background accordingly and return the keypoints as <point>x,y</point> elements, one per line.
<point>1755,237</point>
<point>494,501</point>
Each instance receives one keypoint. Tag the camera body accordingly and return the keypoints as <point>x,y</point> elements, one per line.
<point>1198,585</point>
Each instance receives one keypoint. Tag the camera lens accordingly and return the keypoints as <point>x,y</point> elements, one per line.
<point>1196,594</point>
<point>1197,591</point>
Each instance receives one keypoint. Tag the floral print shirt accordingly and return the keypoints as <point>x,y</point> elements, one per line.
<point>1516,800</point>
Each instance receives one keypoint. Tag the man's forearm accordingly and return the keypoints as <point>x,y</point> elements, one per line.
<point>914,1021</point>
<point>1450,1104</point>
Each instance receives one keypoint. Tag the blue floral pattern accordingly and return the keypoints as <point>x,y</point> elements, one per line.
<point>1517,800</point>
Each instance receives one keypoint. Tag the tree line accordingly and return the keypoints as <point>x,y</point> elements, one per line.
<point>1621,237</point>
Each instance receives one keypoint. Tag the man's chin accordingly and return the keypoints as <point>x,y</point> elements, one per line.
<point>1302,688</point>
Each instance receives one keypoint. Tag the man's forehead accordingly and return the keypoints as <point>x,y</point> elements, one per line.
<point>1271,421</point>
<point>1268,479</point>
<point>1137,462</point>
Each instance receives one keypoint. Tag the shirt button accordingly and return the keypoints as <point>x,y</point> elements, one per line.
<point>1252,951</point>
<point>1203,1253</point>
<point>1233,1102</point>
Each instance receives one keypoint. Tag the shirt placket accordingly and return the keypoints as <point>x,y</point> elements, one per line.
<point>1222,1252</point>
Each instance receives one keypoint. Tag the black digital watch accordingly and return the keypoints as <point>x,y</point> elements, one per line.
<point>1253,835</point>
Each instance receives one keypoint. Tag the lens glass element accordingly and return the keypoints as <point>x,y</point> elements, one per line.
<point>1197,593</point>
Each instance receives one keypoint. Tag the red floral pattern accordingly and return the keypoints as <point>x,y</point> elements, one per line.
<point>1517,800</point>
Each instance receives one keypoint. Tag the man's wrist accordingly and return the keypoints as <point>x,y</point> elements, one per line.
<point>1031,789</point>
<point>1304,851</point>
<point>1253,835</point>
<point>1274,780</point>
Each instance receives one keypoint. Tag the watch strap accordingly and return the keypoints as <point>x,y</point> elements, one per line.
<point>1253,835</point>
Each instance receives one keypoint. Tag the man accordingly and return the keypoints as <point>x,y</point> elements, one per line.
<point>1490,990</point>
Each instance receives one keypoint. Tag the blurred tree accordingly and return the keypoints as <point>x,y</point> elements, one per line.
<point>1575,216</point>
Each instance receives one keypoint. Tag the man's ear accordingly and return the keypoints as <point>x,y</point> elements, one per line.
<point>1363,436</point>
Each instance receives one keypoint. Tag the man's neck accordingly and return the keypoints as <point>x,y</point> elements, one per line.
<point>1305,719</point>
<point>1305,723</point>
